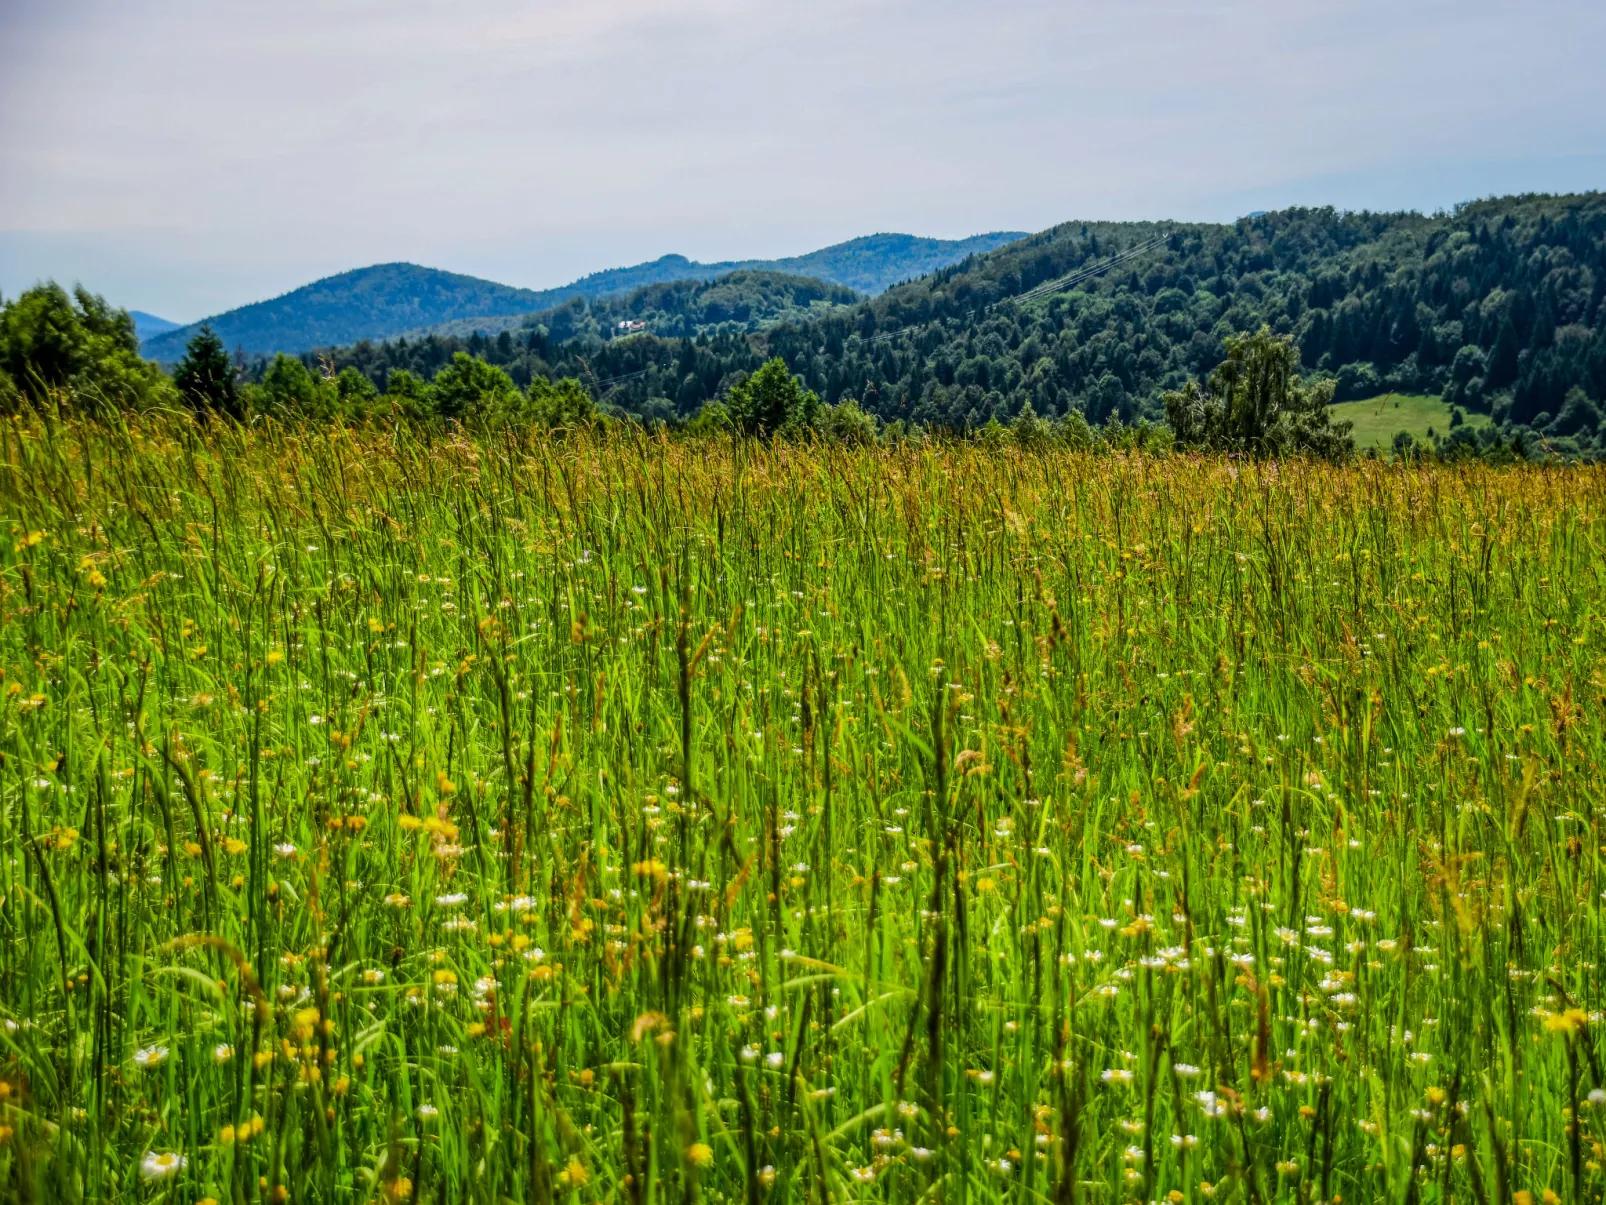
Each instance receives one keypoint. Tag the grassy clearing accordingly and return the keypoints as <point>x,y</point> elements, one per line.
<point>630,821</point>
<point>1378,420</point>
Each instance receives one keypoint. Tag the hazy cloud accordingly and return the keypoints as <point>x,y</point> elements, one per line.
<point>183,157</point>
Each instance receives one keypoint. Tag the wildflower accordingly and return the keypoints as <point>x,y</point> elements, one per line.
<point>700,1154</point>
<point>1116,1075</point>
<point>150,1056</point>
<point>1185,1070</point>
<point>451,900</point>
<point>222,1052</point>
<point>1569,1022</point>
<point>775,1059</point>
<point>427,1112</point>
<point>158,1165</point>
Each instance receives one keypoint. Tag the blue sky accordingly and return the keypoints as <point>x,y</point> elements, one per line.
<point>183,157</point>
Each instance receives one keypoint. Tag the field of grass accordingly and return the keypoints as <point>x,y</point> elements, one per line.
<point>1377,420</point>
<point>633,821</point>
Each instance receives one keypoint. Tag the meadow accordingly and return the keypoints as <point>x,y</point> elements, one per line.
<point>1378,420</point>
<point>631,819</point>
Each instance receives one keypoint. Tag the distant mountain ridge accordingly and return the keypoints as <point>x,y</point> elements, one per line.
<point>386,300</point>
<point>148,326</point>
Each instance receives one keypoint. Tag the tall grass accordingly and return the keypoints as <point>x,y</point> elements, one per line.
<point>616,819</point>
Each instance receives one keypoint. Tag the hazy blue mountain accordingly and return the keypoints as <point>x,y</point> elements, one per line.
<point>365,303</point>
<point>386,300</point>
<point>876,262</point>
<point>148,326</point>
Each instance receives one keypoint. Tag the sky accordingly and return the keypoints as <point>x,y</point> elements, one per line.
<point>186,156</point>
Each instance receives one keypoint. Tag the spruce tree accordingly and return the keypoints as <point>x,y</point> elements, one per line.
<point>205,376</point>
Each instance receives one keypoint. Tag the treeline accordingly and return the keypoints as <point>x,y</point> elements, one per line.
<point>1500,307</point>
<point>75,352</point>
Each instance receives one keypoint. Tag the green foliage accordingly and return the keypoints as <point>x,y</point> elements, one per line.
<point>847,423</point>
<point>1377,302</point>
<point>205,377</point>
<point>772,402</point>
<point>561,404</point>
<point>55,344</point>
<point>737,302</point>
<point>1255,403</point>
<point>288,386</point>
<point>354,390</point>
<point>471,388</point>
<point>712,418</point>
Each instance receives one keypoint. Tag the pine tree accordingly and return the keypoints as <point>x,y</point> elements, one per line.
<point>1502,368</point>
<point>205,376</point>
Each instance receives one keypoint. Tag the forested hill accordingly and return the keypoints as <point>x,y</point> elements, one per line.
<point>738,302</point>
<point>365,303</point>
<point>1498,304</point>
<point>388,300</point>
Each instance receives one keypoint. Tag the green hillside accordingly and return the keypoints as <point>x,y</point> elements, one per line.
<point>1500,305</point>
<point>1377,420</point>
<point>741,301</point>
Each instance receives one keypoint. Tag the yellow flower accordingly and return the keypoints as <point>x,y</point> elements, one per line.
<point>700,1154</point>
<point>1569,1022</point>
<point>235,846</point>
<point>576,1174</point>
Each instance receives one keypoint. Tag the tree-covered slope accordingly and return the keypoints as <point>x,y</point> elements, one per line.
<point>741,301</point>
<point>388,300</point>
<point>1499,306</point>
